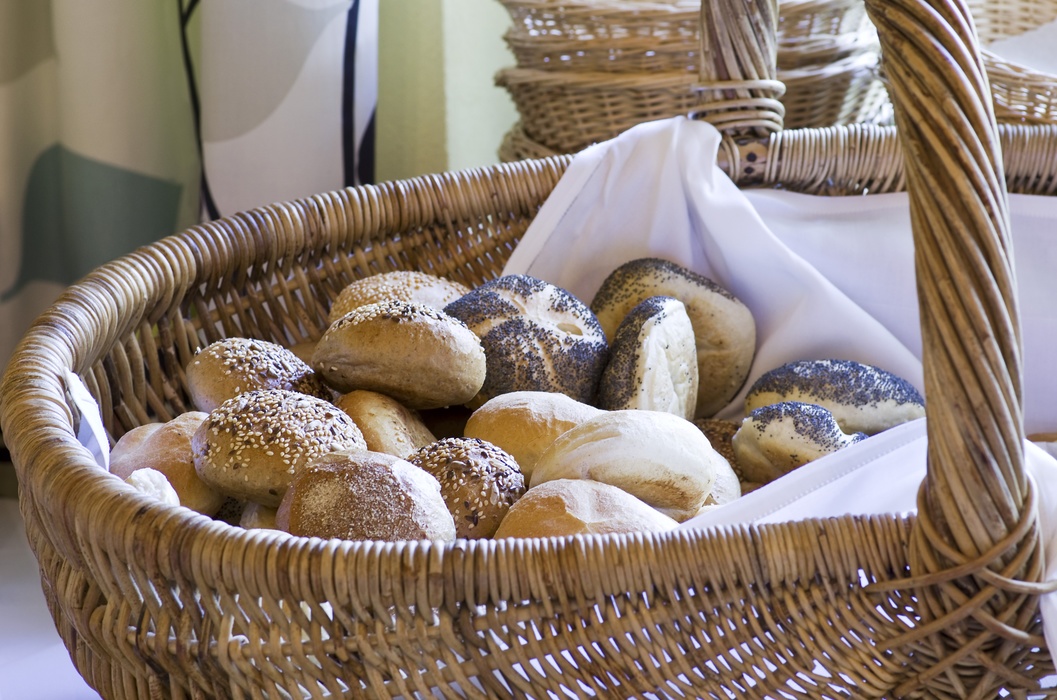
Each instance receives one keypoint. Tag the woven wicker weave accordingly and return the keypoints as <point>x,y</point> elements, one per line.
<point>586,71</point>
<point>158,602</point>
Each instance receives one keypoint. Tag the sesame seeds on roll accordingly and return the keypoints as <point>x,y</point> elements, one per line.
<point>232,366</point>
<point>251,445</point>
<point>403,285</point>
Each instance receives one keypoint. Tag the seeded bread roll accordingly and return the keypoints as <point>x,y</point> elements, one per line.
<point>652,361</point>
<point>861,397</point>
<point>166,447</point>
<point>364,495</point>
<point>402,285</point>
<point>414,353</point>
<point>776,439</point>
<point>251,446</point>
<point>387,425</point>
<point>659,458</point>
<point>565,507</point>
<point>526,423</point>
<point>536,336</point>
<point>479,482</point>
<point>233,366</point>
<point>724,328</point>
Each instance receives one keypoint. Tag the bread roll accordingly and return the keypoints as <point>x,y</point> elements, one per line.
<point>652,361</point>
<point>364,495</point>
<point>233,366</point>
<point>251,446</point>
<point>536,336</point>
<point>526,423</point>
<point>414,353</point>
<point>659,458</point>
<point>724,328</point>
<point>154,484</point>
<point>565,507</point>
<point>387,425</point>
<point>402,285</point>
<point>166,447</point>
<point>775,439</point>
<point>479,482</point>
<point>861,397</point>
<point>257,517</point>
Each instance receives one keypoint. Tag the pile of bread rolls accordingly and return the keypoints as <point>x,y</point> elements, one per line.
<point>428,410</point>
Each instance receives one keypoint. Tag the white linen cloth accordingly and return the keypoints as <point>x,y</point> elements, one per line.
<point>824,277</point>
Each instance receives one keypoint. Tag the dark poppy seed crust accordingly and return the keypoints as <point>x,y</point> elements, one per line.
<point>810,421</point>
<point>839,381</point>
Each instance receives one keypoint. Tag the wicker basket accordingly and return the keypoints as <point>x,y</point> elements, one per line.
<point>155,601</point>
<point>586,71</point>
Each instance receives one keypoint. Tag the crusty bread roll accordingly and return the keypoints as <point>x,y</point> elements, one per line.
<point>257,517</point>
<point>418,355</point>
<point>861,397</point>
<point>565,507</point>
<point>723,326</point>
<point>526,423</point>
<point>479,482</point>
<point>363,495</point>
<point>402,285</point>
<point>251,446</point>
<point>166,447</point>
<point>660,458</point>
<point>536,336</point>
<point>155,484</point>
<point>387,425</point>
<point>652,360</point>
<point>233,366</point>
<point>777,438</point>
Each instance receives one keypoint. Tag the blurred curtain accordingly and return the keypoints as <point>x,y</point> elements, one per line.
<point>122,121</point>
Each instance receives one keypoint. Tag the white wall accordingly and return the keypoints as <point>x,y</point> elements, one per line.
<point>438,106</point>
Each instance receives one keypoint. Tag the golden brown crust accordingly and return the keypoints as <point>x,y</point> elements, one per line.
<point>526,423</point>
<point>580,507</point>
<point>387,425</point>
<point>416,354</point>
<point>166,447</point>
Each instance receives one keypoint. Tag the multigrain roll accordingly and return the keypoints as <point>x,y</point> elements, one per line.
<point>363,495</point>
<point>232,366</point>
<point>387,425</point>
<point>422,357</point>
<point>565,507</point>
<point>526,423</point>
<point>659,458</point>
<point>479,482</point>
<point>724,329</point>
<point>251,446</point>
<point>652,360</point>
<point>402,285</point>
<point>861,397</point>
<point>775,439</point>
<point>166,448</point>
<point>536,337</point>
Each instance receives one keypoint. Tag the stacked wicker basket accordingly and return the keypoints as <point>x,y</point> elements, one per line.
<point>588,70</point>
<point>157,601</point>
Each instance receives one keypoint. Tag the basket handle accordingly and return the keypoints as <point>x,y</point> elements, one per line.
<point>739,90</point>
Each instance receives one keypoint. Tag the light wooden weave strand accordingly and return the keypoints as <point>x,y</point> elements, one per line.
<point>976,514</point>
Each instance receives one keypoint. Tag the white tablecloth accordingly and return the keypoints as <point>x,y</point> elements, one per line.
<point>34,663</point>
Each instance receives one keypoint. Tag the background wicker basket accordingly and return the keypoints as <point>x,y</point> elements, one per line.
<point>155,601</point>
<point>587,71</point>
